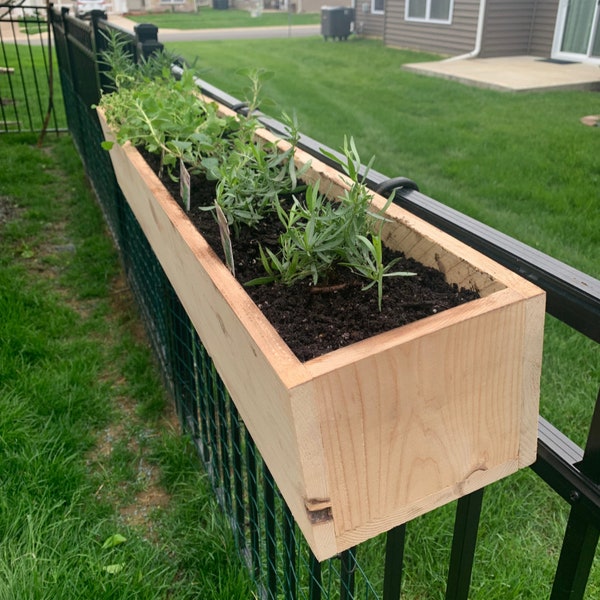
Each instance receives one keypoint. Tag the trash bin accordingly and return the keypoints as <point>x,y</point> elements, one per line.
<point>336,22</point>
<point>220,4</point>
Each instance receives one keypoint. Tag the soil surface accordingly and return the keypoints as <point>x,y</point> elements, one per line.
<point>313,321</point>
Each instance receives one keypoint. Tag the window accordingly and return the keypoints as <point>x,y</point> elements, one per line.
<point>435,11</point>
<point>377,6</point>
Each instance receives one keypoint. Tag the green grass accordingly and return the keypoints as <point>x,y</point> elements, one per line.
<point>521,163</point>
<point>208,18</point>
<point>87,440</point>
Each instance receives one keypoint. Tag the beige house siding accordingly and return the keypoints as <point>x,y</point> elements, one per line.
<point>544,24</point>
<point>511,27</point>
<point>368,23</point>
<point>457,37</point>
<point>507,27</point>
<point>516,27</point>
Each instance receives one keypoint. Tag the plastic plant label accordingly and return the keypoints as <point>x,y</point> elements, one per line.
<point>225,238</point>
<point>184,186</point>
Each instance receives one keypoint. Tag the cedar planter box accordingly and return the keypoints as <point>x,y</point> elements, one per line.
<point>372,435</point>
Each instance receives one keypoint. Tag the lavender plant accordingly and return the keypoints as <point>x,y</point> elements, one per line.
<point>320,234</point>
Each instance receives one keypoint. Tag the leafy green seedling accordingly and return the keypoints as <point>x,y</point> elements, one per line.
<point>367,261</point>
<point>320,234</point>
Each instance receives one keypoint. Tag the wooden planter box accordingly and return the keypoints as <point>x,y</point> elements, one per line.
<point>370,436</point>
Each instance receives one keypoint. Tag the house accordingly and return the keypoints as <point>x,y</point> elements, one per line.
<point>141,6</point>
<point>293,6</point>
<point>559,29</point>
<point>253,6</point>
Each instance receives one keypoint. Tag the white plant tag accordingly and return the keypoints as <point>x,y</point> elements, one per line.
<point>225,238</point>
<point>184,186</point>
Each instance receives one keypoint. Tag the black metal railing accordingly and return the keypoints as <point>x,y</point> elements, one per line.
<point>30,101</point>
<point>268,540</point>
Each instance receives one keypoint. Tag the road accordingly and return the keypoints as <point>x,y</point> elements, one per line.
<point>246,33</point>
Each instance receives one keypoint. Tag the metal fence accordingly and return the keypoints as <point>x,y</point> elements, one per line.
<point>268,540</point>
<point>30,101</point>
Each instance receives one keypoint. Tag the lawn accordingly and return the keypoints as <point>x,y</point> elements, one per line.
<point>100,496</point>
<point>208,18</point>
<point>522,163</point>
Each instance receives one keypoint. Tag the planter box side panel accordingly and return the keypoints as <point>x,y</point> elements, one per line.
<point>425,421</point>
<point>275,412</point>
<point>533,346</point>
<point>400,234</point>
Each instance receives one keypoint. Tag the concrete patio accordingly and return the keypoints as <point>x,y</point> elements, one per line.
<point>513,73</point>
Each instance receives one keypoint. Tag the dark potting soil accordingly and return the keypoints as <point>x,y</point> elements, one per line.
<point>316,320</point>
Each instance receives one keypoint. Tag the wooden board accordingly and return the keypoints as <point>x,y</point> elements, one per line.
<point>372,435</point>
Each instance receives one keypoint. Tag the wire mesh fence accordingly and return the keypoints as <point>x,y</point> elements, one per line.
<point>269,542</point>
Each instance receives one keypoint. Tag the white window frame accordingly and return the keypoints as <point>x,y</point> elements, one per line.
<point>427,18</point>
<point>374,11</point>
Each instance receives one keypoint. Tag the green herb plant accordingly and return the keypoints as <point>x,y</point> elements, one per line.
<point>120,68</point>
<point>166,117</point>
<point>254,173</point>
<point>366,259</point>
<point>254,177</point>
<point>309,245</point>
<point>320,234</point>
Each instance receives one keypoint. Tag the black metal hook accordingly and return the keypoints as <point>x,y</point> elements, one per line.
<point>387,187</point>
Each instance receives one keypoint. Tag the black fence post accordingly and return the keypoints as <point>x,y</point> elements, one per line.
<point>147,43</point>
<point>67,63</point>
<point>464,540</point>
<point>100,42</point>
<point>347,573</point>
<point>394,562</point>
<point>581,537</point>
<point>315,587</point>
<point>590,464</point>
<point>576,558</point>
